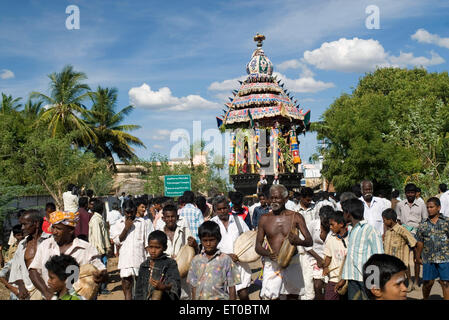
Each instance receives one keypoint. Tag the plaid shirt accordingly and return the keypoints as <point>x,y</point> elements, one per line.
<point>397,241</point>
<point>436,240</point>
<point>194,218</point>
<point>213,278</point>
<point>363,242</point>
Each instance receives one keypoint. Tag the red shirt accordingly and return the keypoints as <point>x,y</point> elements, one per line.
<point>245,216</point>
<point>82,227</point>
<point>46,226</point>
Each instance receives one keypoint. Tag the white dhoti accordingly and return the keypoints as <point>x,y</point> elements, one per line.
<point>277,281</point>
<point>307,271</point>
<point>317,273</point>
<point>245,275</point>
<point>129,272</point>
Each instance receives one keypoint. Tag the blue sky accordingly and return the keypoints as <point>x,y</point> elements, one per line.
<point>178,61</point>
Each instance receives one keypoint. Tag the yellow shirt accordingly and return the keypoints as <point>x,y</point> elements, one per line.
<point>397,241</point>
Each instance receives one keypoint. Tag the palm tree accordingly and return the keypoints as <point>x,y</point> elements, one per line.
<point>32,110</point>
<point>112,137</point>
<point>9,105</point>
<point>65,105</point>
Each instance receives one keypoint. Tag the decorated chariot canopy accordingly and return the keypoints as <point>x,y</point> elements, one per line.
<point>262,99</point>
<point>264,119</point>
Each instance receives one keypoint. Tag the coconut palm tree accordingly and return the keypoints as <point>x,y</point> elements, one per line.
<point>67,92</point>
<point>32,110</point>
<point>9,105</point>
<point>112,136</point>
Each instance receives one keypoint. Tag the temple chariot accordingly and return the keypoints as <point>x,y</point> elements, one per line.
<point>264,121</point>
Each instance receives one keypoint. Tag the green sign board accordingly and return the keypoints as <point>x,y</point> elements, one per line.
<point>174,186</point>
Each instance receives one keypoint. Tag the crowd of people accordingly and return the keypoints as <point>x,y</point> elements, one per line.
<point>349,246</point>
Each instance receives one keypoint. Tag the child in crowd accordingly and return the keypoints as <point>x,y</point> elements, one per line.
<point>49,208</point>
<point>384,278</point>
<point>18,236</point>
<point>212,274</point>
<point>433,242</point>
<point>397,241</point>
<point>335,251</point>
<point>158,275</point>
<point>178,235</point>
<point>57,276</point>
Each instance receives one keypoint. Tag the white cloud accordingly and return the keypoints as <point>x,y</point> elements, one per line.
<point>360,55</point>
<point>161,135</point>
<point>226,85</point>
<point>157,146</point>
<point>304,83</point>
<point>289,64</point>
<point>408,59</point>
<point>144,97</point>
<point>348,55</point>
<point>296,64</point>
<point>423,36</point>
<point>6,74</point>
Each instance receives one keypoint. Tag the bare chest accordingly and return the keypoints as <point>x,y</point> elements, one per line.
<point>30,252</point>
<point>279,225</point>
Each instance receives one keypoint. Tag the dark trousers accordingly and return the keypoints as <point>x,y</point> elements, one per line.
<point>104,259</point>
<point>356,290</point>
<point>329,292</point>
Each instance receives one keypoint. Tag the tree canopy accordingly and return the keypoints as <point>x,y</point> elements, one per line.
<point>45,147</point>
<point>392,129</point>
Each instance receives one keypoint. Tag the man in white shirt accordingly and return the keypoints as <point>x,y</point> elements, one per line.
<point>291,205</point>
<point>255,205</point>
<point>31,222</point>
<point>418,196</point>
<point>231,227</point>
<point>70,200</point>
<point>130,233</point>
<point>444,199</point>
<point>307,210</point>
<point>324,201</point>
<point>114,215</point>
<point>63,241</point>
<point>374,206</point>
<point>315,256</point>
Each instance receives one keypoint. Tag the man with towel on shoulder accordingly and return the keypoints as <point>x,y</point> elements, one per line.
<point>63,241</point>
<point>276,226</point>
<point>231,227</point>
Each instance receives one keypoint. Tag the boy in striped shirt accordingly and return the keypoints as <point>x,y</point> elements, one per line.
<point>397,241</point>
<point>363,242</point>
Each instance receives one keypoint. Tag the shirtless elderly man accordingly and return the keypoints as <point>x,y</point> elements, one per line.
<point>276,226</point>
